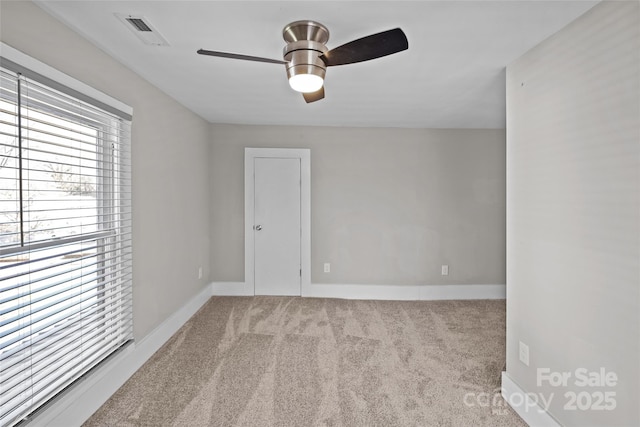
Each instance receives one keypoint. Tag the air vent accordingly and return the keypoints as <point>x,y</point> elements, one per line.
<point>139,24</point>
<point>142,28</point>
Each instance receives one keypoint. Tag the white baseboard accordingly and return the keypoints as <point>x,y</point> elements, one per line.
<point>378,292</point>
<point>78,403</point>
<point>236,289</point>
<point>418,292</point>
<point>522,402</point>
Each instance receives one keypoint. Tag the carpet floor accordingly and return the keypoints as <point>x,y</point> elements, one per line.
<point>290,361</point>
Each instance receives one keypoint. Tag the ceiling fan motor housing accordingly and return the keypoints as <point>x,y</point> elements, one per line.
<point>305,43</point>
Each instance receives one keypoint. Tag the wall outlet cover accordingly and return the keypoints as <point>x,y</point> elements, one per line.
<point>524,353</point>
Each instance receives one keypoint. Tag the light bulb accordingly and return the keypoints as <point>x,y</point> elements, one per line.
<point>305,83</point>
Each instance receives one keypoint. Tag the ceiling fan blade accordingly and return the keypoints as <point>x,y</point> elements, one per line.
<point>366,48</point>
<point>314,96</point>
<point>238,56</point>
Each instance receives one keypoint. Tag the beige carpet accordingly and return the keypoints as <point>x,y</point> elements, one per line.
<point>288,361</point>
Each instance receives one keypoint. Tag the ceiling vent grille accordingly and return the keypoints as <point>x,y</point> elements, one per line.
<point>143,29</point>
<point>139,24</point>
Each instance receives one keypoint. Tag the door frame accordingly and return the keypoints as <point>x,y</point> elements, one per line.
<point>304,154</point>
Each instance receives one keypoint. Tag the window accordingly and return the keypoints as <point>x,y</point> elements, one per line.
<point>65,239</point>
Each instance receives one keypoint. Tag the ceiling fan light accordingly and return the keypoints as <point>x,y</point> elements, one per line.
<point>306,83</point>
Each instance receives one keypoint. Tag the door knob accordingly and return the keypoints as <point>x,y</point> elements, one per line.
<point>258,227</point>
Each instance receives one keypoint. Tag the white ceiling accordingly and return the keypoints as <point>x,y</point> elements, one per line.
<point>452,76</point>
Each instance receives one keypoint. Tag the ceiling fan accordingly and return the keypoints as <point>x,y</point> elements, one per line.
<point>307,58</point>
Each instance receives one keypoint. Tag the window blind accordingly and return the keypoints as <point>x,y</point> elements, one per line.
<point>65,241</point>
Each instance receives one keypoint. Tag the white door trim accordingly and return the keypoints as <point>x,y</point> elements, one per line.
<point>305,211</point>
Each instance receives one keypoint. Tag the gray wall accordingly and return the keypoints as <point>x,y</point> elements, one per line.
<point>388,206</point>
<point>573,212</point>
<point>170,148</point>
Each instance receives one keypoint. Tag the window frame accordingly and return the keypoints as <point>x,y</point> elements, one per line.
<point>109,293</point>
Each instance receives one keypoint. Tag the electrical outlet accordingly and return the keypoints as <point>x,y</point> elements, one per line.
<point>524,353</point>
<point>327,267</point>
<point>445,270</point>
<point>199,272</point>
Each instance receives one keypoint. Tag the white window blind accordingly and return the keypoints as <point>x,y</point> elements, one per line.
<point>65,241</point>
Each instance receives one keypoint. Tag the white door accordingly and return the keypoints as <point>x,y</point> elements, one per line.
<point>277,226</point>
